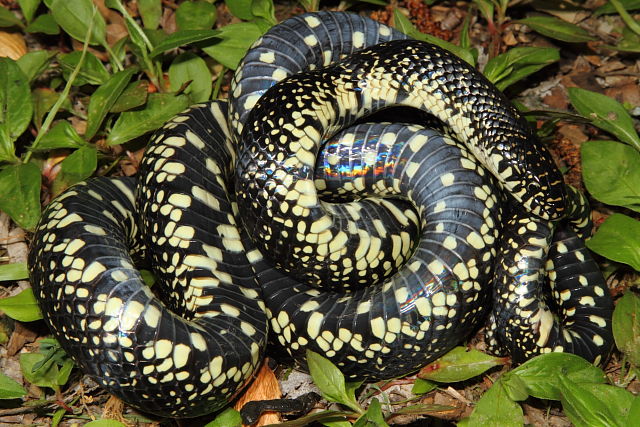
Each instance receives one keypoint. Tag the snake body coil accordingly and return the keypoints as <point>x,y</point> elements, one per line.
<point>409,198</point>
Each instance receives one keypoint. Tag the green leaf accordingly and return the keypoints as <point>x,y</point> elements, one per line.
<point>16,107</point>
<point>14,271</point>
<point>43,100</point>
<point>618,239</point>
<point>183,37</point>
<point>20,194</point>
<point>190,67</point>
<point>232,42</point>
<point>22,307</point>
<point>92,71</point>
<point>45,376</point>
<point>151,12</point>
<point>630,42</point>
<point>78,166</point>
<point>29,8</point>
<point>9,388</point>
<point>605,113</point>
<point>240,8</point>
<point>608,7</point>
<point>34,63</point>
<point>421,386</point>
<point>422,408</point>
<point>541,373</point>
<point>264,9</point>
<point>65,371</point>
<point>61,135</point>
<point>227,418</point>
<point>517,63</point>
<point>611,173</point>
<point>57,417</point>
<point>626,326</point>
<point>584,408</point>
<point>328,378</point>
<point>373,417</point>
<point>196,15</point>
<point>160,108</point>
<point>74,18</point>
<point>515,387</point>
<point>459,365</point>
<point>617,399</point>
<point>495,408</point>
<point>133,96</point>
<point>403,24</point>
<point>104,98</point>
<point>45,24</point>
<point>634,411</point>
<point>8,19</point>
<point>557,29</point>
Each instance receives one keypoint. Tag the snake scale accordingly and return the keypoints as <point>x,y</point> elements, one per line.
<point>252,226</point>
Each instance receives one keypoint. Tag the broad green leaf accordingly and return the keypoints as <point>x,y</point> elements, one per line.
<point>34,63</point>
<point>104,98</point>
<point>584,408</point>
<point>20,194</point>
<point>65,371</point>
<point>227,418</point>
<point>459,365</point>
<point>7,148</point>
<point>240,8</point>
<point>14,271</point>
<point>626,326</point>
<point>151,12</point>
<point>183,37</point>
<point>617,399</point>
<point>8,18</point>
<point>133,96</point>
<point>630,42</point>
<point>29,8</point>
<point>22,307</point>
<point>634,411</point>
<point>75,16</point>
<point>541,373</point>
<point>515,387</point>
<point>373,417</point>
<point>421,386</point>
<point>328,378</point>
<point>196,15</point>
<point>557,29</point>
<point>9,388</point>
<point>496,409</point>
<point>608,7</point>
<point>611,173</point>
<point>43,100</point>
<point>45,24</point>
<point>160,108</point>
<point>232,42</point>
<point>92,71</point>
<point>605,113</point>
<point>517,63</point>
<point>403,24</point>
<point>190,67</point>
<point>16,107</point>
<point>618,239</point>
<point>78,166</point>
<point>46,376</point>
<point>61,135</point>
<point>264,10</point>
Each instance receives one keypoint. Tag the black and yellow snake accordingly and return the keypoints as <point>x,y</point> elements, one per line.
<point>252,226</point>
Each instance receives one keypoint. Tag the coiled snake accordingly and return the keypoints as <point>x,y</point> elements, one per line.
<point>317,224</point>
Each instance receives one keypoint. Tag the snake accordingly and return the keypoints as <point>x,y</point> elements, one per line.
<point>311,211</point>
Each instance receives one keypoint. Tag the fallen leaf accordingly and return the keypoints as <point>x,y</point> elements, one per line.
<point>12,45</point>
<point>264,387</point>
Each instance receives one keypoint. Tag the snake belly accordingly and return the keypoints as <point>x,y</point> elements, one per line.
<point>192,353</point>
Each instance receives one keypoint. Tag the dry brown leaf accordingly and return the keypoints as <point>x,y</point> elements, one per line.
<point>12,45</point>
<point>264,387</point>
